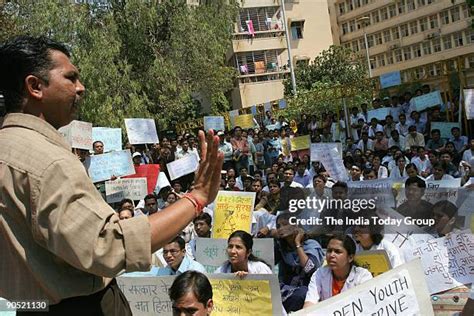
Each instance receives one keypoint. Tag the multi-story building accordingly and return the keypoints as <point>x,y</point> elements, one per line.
<point>259,47</point>
<point>425,40</point>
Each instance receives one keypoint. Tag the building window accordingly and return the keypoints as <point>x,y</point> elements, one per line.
<point>357,3</point>
<point>410,5</point>
<point>378,39</point>
<point>347,45</point>
<point>434,21</point>
<point>370,40</point>
<point>362,43</point>
<point>426,48</point>
<point>455,14</point>
<point>398,55</point>
<point>384,14</point>
<point>414,27</point>
<point>392,10</point>
<point>386,36</point>
<point>401,7</point>
<point>407,53</point>
<point>470,36</point>
<point>395,33</point>
<point>297,30</point>
<point>452,65</point>
<point>447,42</point>
<point>444,15</point>
<point>417,50</point>
<point>342,8</point>
<point>421,2</point>
<point>458,41</point>
<point>471,61</point>
<point>423,24</point>
<point>345,29</point>
<point>355,46</point>
<point>375,17</point>
<point>352,26</point>
<point>381,60</point>
<point>465,11</point>
<point>349,5</point>
<point>373,64</point>
<point>436,45</point>
<point>420,73</point>
<point>404,30</point>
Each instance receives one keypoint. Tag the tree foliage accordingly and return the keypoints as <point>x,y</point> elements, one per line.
<point>154,59</point>
<point>336,73</point>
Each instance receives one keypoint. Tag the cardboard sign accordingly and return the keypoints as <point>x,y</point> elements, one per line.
<point>379,114</point>
<point>134,189</point>
<point>444,128</point>
<point>116,163</point>
<point>150,172</point>
<point>331,161</point>
<point>214,122</point>
<point>212,253</point>
<point>233,211</point>
<point>400,291</point>
<point>448,262</point>
<point>469,103</point>
<point>110,137</point>
<point>300,142</point>
<point>244,121</point>
<point>376,261</point>
<point>78,134</point>
<point>255,294</point>
<point>428,100</point>
<point>141,131</point>
<point>317,148</point>
<point>390,79</point>
<point>181,167</point>
<point>379,190</point>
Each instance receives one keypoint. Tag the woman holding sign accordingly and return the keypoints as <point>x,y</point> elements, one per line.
<point>241,260</point>
<point>339,275</point>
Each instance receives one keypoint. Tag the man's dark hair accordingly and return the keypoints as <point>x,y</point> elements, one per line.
<point>194,282</point>
<point>96,142</point>
<point>204,217</point>
<point>420,182</point>
<point>20,57</point>
<point>340,184</point>
<point>180,241</point>
<point>150,196</point>
<point>434,131</point>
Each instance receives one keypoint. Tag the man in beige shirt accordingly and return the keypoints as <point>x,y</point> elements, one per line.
<point>59,240</point>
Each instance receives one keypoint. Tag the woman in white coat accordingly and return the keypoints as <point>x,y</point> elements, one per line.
<point>339,275</point>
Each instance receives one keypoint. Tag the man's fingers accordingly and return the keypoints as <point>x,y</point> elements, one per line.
<point>210,143</point>
<point>202,142</point>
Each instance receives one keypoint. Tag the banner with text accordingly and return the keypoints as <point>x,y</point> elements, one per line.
<point>78,134</point>
<point>134,189</point>
<point>116,163</point>
<point>214,122</point>
<point>181,167</point>
<point>141,131</point>
<point>428,100</point>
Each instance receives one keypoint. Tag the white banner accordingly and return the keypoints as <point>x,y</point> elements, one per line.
<point>130,188</point>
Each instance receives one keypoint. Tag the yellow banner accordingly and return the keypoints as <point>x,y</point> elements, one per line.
<point>376,261</point>
<point>244,121</point>
<point>301,142</point>
<point>233,211</point>
<point>241,297</point>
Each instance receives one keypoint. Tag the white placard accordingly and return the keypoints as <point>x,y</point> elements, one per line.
<point>436,191</point>
<point>214,122</point>
<point>183,166</point>
<point>110,137</point>
<point>141,131</point>
<point>400,291</point>
<point>331,161</point>
<point>116,163</point>
<point>78,134</point>
<point>469,103</point>
<point>131,188</point>
<point>317,148</point>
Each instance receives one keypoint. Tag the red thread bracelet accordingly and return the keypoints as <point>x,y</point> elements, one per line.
<point>197,205</point>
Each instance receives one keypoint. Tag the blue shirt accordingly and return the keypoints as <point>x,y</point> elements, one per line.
<point>187,264</point>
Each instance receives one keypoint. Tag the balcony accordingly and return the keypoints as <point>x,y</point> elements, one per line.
<point>258,3</point>
<point>264,40</point>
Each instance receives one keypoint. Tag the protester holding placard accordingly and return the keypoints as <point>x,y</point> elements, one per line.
<point>241,259</point>
<point>339,275</point>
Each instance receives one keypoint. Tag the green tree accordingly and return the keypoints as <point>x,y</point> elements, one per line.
<point>335,73</point>
<point>137,58</point>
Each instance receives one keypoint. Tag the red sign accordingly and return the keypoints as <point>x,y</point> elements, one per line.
<point>150,172</point>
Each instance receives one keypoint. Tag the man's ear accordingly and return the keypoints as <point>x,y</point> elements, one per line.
<point>34,86</point>
<point>209,306</point>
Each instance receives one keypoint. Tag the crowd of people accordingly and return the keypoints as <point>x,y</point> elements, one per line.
<point>261,160</point>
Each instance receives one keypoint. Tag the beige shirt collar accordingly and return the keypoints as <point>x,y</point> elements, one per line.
<point>36,124</point>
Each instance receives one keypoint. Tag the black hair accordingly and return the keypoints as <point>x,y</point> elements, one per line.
<point>347,243</point>
<point>20,57</point>
<point>97,141</point>
<point>340,184</point>
<point>121,203</point>
<point>435,130</point>
<point>204,217</point>
<point>191,281</point>
<point>411,165</point>
<point>179,240</point>
<point>420,182</point>
<point>150,196</point>
<point>247,240</point>
<point>446,207</point>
